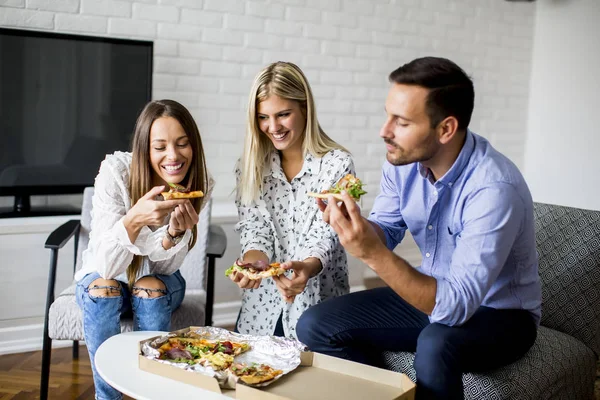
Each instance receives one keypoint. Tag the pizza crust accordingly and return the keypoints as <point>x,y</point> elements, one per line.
<point>324,196</point>
<point>182,195</point>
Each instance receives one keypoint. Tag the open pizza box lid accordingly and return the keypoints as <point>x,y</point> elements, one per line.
<point>319,377</point>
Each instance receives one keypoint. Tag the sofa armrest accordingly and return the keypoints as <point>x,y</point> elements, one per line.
<point>61,235</point>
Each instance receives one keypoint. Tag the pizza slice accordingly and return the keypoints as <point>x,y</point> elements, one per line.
<point>256,270</point>
<point>219,354</point>
<point>222,354</point>
<point>180,349</point>
<point>351,184</point>
<point>218,361</point>
<point>254,373</point>
<point>179,192</point>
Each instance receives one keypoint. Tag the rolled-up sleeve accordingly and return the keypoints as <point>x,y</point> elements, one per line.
<point>386,209</point>
<point>254,227</point>
<point>482,248</point>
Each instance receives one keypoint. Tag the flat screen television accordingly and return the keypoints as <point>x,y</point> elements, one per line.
<point>65,102</point>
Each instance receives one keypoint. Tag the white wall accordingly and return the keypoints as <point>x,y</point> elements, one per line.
<point>562,161</point>
<point>208,51</point>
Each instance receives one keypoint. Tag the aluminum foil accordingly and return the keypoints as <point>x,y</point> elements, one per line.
<point>279,353</point>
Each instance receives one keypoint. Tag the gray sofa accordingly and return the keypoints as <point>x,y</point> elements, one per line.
<point>562,362</point>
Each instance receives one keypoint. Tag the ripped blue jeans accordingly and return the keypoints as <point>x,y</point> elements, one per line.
<point>102,317</point>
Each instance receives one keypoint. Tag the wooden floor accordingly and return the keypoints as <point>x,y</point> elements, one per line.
<point>20,375</point>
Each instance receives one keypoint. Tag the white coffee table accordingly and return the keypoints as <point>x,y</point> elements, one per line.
<point>117,363</point>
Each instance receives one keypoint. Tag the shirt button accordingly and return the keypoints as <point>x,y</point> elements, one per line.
<point>435,192</point>
<point>430,227</point>
<point>427,255</point>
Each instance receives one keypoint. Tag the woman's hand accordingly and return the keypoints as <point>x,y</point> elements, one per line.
<point>183,217</point>
<point>302,272</point>
<point>148,212</point>
<point>243,281</point>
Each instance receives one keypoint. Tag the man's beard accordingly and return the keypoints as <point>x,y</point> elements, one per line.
<point>401,157</point>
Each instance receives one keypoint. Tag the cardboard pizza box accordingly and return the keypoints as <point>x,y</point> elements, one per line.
<point>319,377</point>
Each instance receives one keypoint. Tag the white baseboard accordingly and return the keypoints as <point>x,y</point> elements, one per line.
<point>24,338</point>
<point>28,337</point>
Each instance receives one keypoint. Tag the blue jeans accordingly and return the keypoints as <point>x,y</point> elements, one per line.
<point>102,317</point>
<point>360,326</point>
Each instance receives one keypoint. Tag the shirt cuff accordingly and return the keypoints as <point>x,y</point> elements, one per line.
<point>321,254</point>
<point>122,238</point>
<point>159,253</point>
<point>442,313</point>
<point>258,246</point>
<point>390,242</point>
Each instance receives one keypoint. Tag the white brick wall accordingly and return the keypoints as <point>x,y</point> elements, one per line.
<point>207,52</point>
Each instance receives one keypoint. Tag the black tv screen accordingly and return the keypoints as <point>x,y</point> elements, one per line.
<point>65,102</point>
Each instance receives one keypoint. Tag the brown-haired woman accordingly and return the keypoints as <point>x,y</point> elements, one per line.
<point>137,242</point>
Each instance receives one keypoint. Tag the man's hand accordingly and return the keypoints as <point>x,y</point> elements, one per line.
<point>302,272</point>
<point>356,233</point>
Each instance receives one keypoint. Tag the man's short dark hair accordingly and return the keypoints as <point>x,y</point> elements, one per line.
<point>451,90</point>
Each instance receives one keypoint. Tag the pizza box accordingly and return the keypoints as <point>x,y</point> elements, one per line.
<point>319,377</point>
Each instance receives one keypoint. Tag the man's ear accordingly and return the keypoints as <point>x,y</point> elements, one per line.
<point>447,129</point>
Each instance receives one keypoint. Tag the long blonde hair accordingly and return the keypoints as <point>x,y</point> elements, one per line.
<point>140,177</point>
<point>286,80</point>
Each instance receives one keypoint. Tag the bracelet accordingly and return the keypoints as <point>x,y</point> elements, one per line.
<point>174,239</point>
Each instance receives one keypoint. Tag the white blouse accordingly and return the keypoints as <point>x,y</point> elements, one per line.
<point>110,251</point>
<point>287,225</point>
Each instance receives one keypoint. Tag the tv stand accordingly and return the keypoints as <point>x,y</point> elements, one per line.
<point>22,208</point>
<point>22,204</point>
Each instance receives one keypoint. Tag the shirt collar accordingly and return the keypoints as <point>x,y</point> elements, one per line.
<point>459,164</point>
<point>311,165</point>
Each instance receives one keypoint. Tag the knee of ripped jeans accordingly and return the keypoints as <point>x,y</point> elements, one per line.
<point>111,290</point>
<point>148,292</point>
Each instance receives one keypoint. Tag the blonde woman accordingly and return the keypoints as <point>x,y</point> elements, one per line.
<point>137,243</point>
<point>286,155</point>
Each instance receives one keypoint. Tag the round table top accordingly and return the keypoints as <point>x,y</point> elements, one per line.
<point>117,363</point>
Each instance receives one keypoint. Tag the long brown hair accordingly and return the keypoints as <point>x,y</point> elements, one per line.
<point>140,177</point>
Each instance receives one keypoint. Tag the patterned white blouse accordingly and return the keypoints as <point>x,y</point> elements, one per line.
<point>110,251</point>
<point>287,225</point>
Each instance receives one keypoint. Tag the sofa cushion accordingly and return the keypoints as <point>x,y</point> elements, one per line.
<point>568,243</point>
<point>558,366</point>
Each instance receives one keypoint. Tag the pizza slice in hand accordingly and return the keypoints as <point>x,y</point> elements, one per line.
<point>179,192</point>
<point>256,270</point>
<point>351,184</point>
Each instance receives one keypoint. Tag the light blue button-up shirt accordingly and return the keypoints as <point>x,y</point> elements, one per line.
<point>474,227</point>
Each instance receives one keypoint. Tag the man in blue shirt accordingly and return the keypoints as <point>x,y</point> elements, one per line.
<point>475,302</point>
